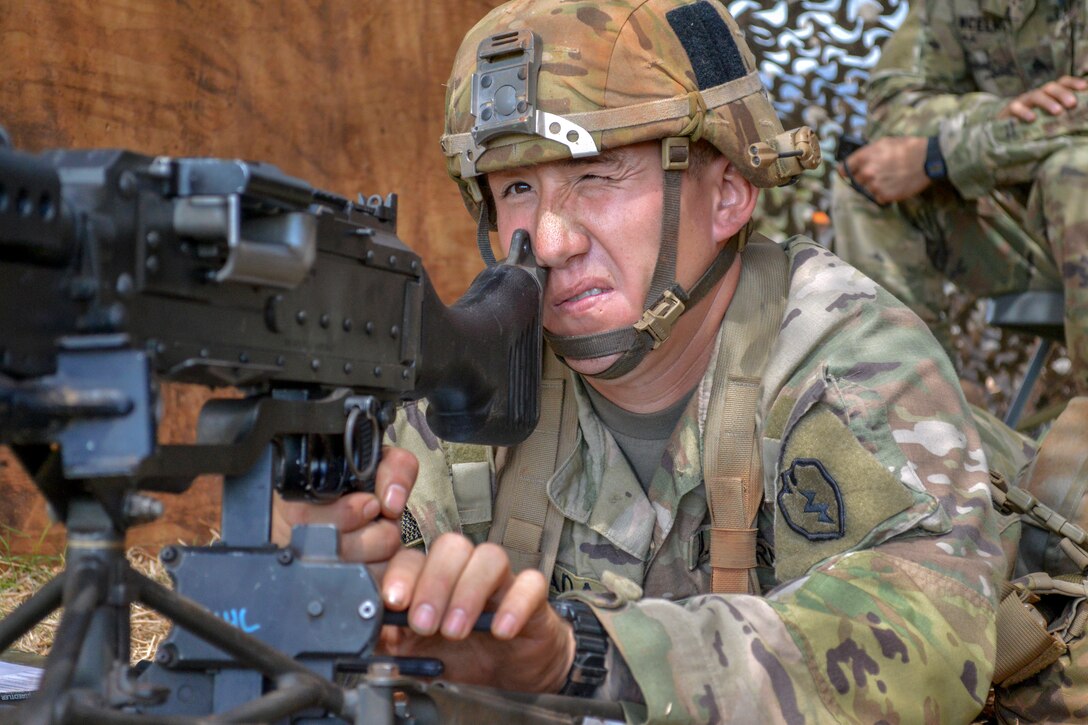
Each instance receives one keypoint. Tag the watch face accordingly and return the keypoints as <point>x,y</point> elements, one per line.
<point>934,166</point>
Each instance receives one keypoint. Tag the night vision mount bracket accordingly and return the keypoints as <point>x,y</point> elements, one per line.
<point>504,99</point>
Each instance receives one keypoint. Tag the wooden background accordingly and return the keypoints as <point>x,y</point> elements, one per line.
<point>345,94</point>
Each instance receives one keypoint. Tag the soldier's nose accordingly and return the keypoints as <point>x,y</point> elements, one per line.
<point>557,240</point>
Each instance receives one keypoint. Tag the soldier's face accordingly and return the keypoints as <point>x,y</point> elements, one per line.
<point>596,224</point>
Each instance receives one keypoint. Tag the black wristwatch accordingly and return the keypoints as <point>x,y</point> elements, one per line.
<point>935,167</point>
<point>590,648</point>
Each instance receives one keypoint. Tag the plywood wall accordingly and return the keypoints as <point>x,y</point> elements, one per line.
<point>346,94</point>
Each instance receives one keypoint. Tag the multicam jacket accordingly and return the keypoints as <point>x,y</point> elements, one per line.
<point>878,545</point>
<point>954,64</point>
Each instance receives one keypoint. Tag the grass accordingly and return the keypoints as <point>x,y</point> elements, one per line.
<point>23,575</point>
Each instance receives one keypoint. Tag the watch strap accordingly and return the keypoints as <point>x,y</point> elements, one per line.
<point>589,668</point>
<point>935,167</point>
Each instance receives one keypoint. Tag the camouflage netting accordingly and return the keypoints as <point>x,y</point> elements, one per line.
<point>815,56</point>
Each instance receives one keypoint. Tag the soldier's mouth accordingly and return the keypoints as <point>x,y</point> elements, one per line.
<point>593,292</point>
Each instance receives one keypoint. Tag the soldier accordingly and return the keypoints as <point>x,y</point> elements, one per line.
<point>977,109</point>
<point>756,492</point>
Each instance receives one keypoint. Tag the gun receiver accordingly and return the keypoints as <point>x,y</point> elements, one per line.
<point>224,272</point>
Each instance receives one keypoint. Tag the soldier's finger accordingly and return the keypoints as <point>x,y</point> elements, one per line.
<point>1059,94</point>
<point>400,577</point>
<point>1074,82</point>
<point>394,479</point>
<point>346,513</point>
<point>445,563</point>
<point>1017,108</point>
<point>485,574</point>
<point>377,542</point>
<point>527,593</point>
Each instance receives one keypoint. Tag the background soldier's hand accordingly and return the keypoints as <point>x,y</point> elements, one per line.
<point>890,168</point>
<point>1055,97</point>
<point>529,648</point>
<point>369,523</point>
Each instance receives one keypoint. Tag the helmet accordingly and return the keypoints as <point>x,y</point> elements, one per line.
<point>544,80</point>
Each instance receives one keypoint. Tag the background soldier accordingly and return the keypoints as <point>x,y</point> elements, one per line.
<point>757,487</point>
<point>977,108</point>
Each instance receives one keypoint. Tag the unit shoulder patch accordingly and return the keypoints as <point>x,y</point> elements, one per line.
<point>811,501</point>
<point>832,493</point>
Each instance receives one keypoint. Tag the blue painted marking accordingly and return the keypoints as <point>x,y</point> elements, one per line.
<point>237,618</point>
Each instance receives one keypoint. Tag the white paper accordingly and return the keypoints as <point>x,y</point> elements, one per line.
<point>15,680</point>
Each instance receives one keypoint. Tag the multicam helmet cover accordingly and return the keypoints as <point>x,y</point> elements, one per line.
<point>542,80</point>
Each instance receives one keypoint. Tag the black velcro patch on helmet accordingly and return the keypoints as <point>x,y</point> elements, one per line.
<point>710,46</point>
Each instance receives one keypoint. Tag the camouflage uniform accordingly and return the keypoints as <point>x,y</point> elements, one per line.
<point>1013,215</point>
<point>888,618</point>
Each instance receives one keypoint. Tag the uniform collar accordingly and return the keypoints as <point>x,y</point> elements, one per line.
<point>596,486</point>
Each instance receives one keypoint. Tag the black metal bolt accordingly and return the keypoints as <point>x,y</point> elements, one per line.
<point>394,331</point>
<point>168,554</point>
<point>153,238</point>
<point>152,264</point>
<point>285,557</point>
<point>124,284</point>
<point>325,320</point>
<point>300,317</point>
<point>315,364</point>
<point>377,371</point>
<point>167,655</point>
<point>127,184</point>
<point>348,368</point>
<point>369,328</point>
<point>347,324</point>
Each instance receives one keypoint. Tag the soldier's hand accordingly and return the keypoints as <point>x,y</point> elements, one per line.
<point>890,169</point>
<point>529,648</point>
<point>369,523</point>
<point>1055,97</point>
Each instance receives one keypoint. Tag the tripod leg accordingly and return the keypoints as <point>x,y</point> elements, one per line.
<point>83,591</point>
<point>32,611</point>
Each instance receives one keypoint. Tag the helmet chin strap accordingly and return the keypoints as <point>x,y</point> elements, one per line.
<point>665,301</point>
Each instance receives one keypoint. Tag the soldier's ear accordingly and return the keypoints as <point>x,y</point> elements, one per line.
<point>735,200</point>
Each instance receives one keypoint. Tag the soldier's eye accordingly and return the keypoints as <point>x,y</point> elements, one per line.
<point>516,187</point>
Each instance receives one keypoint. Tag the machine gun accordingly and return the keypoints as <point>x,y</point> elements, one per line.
<point>118,271</point>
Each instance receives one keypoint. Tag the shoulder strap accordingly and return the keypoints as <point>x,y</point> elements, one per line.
<point>526,524</point>
<point>732,468</point>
